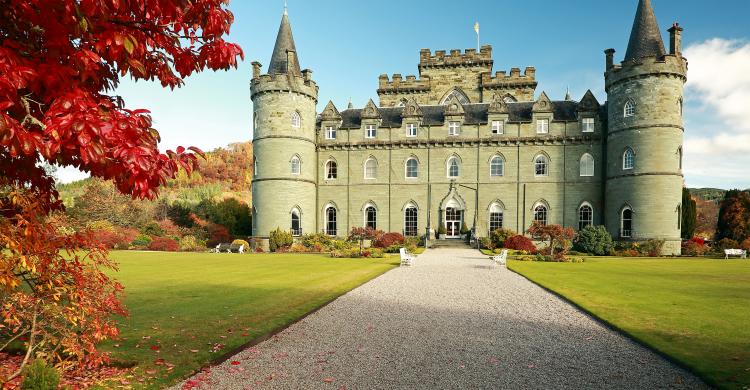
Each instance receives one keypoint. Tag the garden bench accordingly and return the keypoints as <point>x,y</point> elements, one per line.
<point>222,248</point>
<point>735,252</point>
<point>500,259</point>
<point>237,248</point>
<point>406,257</point>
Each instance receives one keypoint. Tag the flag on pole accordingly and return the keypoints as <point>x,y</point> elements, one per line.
<point>476,27</point>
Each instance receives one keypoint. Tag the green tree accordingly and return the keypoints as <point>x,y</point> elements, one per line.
<point>734,216</point>
<point>595,240</point>
<point>689,215</point>
<point>230,213</point>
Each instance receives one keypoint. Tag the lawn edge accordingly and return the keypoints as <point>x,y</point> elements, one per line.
<point>268,335</point>
<point>617,329</point>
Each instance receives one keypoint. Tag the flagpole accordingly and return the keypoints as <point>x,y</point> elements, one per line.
<point>476,29</point>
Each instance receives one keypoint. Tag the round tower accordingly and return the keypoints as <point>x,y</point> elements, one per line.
<point>284,116</point>
<point>645,135</point>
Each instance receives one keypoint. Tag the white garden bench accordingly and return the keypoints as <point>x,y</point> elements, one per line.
<point>735,252</point>
<point>407,258</point>
<point>500,259</point>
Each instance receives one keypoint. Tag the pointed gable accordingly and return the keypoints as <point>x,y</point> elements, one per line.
<point>330,113</point>
<point>284,51</point>
<point>498,105</point>
<point>588,103</point>
<point>453,106</point>
<point>370,111</point>
<point>412,109</point>
<point>645,38</point>
<point>543,104</point>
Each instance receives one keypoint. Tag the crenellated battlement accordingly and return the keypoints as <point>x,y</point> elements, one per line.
<point>503,79</point>
<point>669,65</point>
<point>398,84</point>
<point>263,83</point>
<point>470,57</point>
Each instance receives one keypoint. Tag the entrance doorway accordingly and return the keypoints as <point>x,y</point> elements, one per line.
<point>453,217</point>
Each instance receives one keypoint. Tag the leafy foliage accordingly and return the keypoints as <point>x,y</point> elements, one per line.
<point>39,376</point>
<point>734,216</point>
<point>389,239</point>
<point>280,239</point>
<point>164,244</point>
<point>558,237</point>
<point>230,213</point>
<point>696,246</point>
<point>595,240</point>
<point>521,243</point>
<point>689,215</point>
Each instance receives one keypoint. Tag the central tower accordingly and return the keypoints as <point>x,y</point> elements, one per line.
<point>284,116</point>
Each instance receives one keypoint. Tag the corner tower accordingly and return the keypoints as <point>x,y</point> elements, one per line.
<point>645,135</point>
<point>284,116</point>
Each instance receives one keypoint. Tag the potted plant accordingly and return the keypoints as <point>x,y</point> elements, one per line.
<point>465,231</point>
<point>441,232</point>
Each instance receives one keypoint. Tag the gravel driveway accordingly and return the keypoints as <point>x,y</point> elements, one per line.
<point>449,322</point>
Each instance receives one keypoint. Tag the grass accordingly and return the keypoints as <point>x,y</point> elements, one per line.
<point>696,311</point>
<point>191,309</point>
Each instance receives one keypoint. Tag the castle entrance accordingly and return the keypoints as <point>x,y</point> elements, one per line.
<point>453,218</point>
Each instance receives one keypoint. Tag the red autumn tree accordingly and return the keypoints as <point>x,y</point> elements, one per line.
<point>556,235</point>
<point>60,60</point>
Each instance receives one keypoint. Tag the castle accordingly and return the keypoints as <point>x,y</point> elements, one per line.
<point>461,145</point>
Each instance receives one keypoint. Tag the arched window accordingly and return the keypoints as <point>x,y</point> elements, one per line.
<point>626,223</point>
<point>679,156</point>
<point>541,165</point>
<point>371,168</point>
<point>509,99</point>
<point>628,159</point>
<point>585,216</point>
<point>296,165</point>
<point>496,217</point>
<point>540,214</point>
<point>371,217</point>
<point>296,120</point>
<point>462,98</point>
<point>255,166</point>
<point>296,223</point>
<point>497,166</point>
<point>332,171</point>
<point>679,217</point>
<point>331,221</point>
<point>453,167</point>
<point>412,168</point>
<point>629,109</point>
<point>410,221</point>
<point>587,165</point>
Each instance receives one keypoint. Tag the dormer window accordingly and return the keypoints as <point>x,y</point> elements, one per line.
<point>498,127</point>
<point>454,128</point>
<point>371,131</point>
<point>587,125</point>
<point>330,132</point>
<point>411,130</point>
<point>542,126</point>
<point>629,109</point>
<point>296,120</point>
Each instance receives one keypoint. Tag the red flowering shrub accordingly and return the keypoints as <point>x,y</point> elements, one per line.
<point>746,244</point>
<point>119,238</point>
<point>696,246</point>
<point>389,239</point>
<point>520,243</point>
<point>164,244</point>
<point>217,234</point>
<point>169,228</point>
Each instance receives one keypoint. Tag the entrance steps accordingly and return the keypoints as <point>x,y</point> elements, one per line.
<point>449,243</point>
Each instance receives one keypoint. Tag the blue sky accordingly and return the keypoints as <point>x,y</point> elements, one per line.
<point>349,44</point>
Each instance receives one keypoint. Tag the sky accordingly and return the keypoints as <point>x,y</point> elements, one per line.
<point>348,44</point>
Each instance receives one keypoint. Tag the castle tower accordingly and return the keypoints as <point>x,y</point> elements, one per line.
<point>284,116</point>
<point>645,134</point>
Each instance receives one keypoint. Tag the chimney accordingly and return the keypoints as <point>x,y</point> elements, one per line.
<point>675,40</point>
<point>256,69</point>
<point>610,58</point>
<point>307,74</point>
<point>291,56</point>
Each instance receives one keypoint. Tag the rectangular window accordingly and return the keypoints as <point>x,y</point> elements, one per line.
<point>498,127</point>
<point>411,130</point>
<point>371,131</point>
<point>330,132</point>
<point>588,125</point>
<point>454,128</point>
<point>496,221</point>
<point>542,126</point>
<point>410,222</point>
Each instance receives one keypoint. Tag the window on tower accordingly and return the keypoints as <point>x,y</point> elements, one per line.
<point>540,214</point>
<point>497,166</point>
<point>453,167</point>
<point>587,165</point>
<point>626,223</point>
<point>628,159</point>
<point>585,216</point>
<point>296,165</point>
<point>331,170</point>
<point>412,168</point>
<point>296,120</point>
<point>629,109</point>
<point>541,166</point>
<point>371,168</point>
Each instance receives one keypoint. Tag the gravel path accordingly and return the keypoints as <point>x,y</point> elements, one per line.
<point>449,322</point>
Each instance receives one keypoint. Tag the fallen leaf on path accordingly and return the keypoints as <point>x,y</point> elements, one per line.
<point>328,380</point>
<point>235,363</point>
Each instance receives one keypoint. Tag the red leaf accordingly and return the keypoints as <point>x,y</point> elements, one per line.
<point>235,363</point>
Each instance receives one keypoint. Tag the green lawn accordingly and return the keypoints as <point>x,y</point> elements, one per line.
<point>694,310</point>
<point>190,309</point>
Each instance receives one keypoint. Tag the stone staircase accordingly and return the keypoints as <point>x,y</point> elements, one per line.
<point>449,243</point>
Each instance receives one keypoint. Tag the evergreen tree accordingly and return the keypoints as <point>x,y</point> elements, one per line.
<point>689,215</point>
<point>734,216</point>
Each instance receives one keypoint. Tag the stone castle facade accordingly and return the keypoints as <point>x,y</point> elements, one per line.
<point>461,145</point>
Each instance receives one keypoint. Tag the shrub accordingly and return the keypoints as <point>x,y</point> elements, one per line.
<point>152,229</point>
<point>217,234</point>
<point>389,239</point>
<point>521,243</point>
<point>694,247</point>
<point>169,228</point>
<point>442,230</point>
<point>498,236</point>
<point>298,248</point>
<point>101,225</point>
<point>142,241</point>
<point>652,248</point>
<point>726,243</point>
<point>258,249</point>
<point>39,376</point>
<point>280,239</point>
<point>595,240</point>
<point>746,244</point>
<point>465,229</point>
<point>242,242</point>
<point>191,244</point>
<point>180,215</point>
<point>317,241</point>
<point>487,243</point>
<point>164,244</point>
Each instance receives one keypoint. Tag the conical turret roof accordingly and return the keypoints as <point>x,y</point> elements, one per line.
<point>284,44</point>
<point>645,38</point>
